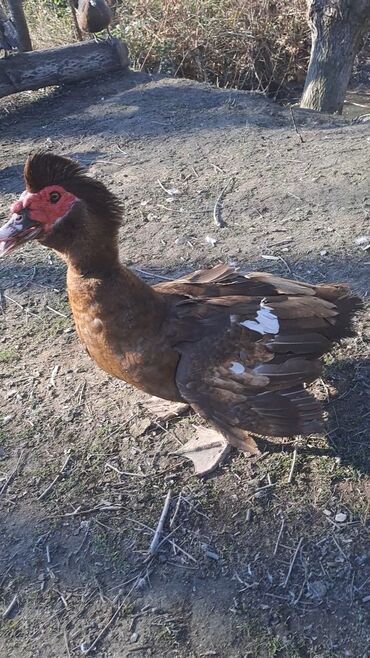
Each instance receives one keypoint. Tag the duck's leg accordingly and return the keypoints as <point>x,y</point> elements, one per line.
<point>207,451</point>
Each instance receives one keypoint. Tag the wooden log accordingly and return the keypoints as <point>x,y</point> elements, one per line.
<point>55,66</point>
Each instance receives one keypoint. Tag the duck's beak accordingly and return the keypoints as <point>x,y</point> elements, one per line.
<point>18,229</point>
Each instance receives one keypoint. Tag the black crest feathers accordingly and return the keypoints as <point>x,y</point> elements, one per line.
<point>43,169</point>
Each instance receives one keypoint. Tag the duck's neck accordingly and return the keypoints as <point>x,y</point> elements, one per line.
<point>98,259</point>
<point>97,280</point>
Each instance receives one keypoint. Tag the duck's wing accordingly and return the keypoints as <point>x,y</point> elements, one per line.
<point>226,282</point>
<point>247,353</point>
<point>244,381</point>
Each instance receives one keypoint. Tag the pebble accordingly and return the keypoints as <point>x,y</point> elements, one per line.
<point>341,517</point>
<point>362,239</point>
<point>212,555</point>
<point>134,637</point>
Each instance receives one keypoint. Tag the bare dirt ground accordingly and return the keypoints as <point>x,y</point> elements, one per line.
<point>255,565</point>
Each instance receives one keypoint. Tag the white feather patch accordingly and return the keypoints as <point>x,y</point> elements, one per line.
<point>237,368</point>
<point>266,321</point>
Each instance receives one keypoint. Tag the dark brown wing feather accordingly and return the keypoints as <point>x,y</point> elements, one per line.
<point>237,373</point>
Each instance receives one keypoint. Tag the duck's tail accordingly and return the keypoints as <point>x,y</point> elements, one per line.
<point>347,305</point>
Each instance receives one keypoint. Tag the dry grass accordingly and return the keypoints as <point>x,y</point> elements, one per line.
<point>247,44</point>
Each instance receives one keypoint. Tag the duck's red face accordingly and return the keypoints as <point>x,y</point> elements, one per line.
<point>34,215</point>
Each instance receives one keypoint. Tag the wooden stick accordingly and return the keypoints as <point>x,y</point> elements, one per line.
<point>176,509</point>
<point>279,536</point>
<point>10,607</point>
<point>292,562</point>
<point>159,529</point>
<point>290,477</point>
<point>295,125</point>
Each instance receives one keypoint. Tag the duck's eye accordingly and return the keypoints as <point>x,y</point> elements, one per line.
<point>54,197</point>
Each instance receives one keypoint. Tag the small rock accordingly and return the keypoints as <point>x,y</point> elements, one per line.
<point>366,599</point>
<point>327,512</point>
<point>134,637</point>
<point>324,252</point>
<point>140,427</point>
<point>210,240</point>
<point>341,517</point>
<point>212,555</point>
<point>362,239</point>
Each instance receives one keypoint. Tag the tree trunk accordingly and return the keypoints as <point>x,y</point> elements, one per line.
<point>56,66</point>
<point>8,33</point>
<point>337,27</point>
<point>19,20</point>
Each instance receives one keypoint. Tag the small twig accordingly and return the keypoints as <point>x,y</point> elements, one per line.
<point>279,536</point>
<point>271,257</point>
<point>127,473</point>
<point>339,547</point>
<point>10,607</point>
<point>170,192</point>
<point>291,472</point>
<point>151,275</point>
<point>217,207</point>
<point>179,499</point>
<point>25,310</point>
<point>62,315</point>
<point>57,477</point>
<point>53,375</point>
<point>12,474</point>
<point>81,512</point>
<point>182,550</point>
<point>111,620</point>
<point>295,125</point>
<point>66,643</point>
<point>159,529</point>
<point>292,562</point>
